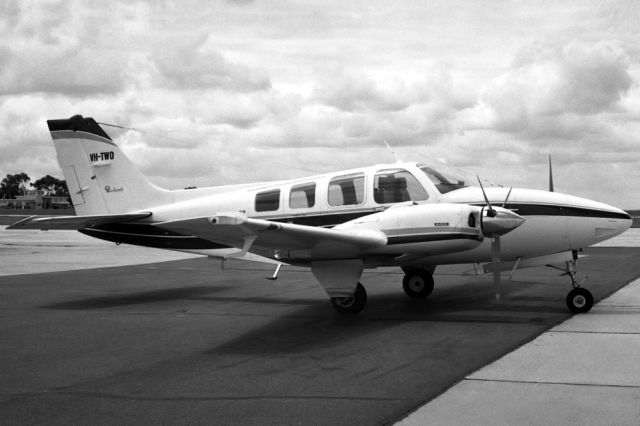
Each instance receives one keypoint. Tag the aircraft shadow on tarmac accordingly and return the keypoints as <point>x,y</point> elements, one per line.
<point>315,327</point>
<point>137,298</point>
<point>447,302</point>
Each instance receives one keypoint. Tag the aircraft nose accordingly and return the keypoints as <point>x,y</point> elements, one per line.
<point>500,222</point>
<point>596,222</point>
<point>624,221</point>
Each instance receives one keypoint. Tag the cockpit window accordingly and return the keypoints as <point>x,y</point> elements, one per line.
<point>397,186</point>
<point>445,180</point>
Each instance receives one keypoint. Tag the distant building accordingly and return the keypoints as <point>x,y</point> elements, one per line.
<point>35,199</point>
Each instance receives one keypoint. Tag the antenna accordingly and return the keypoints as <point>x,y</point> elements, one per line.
<point>398,160</point>
<point>550,175</point>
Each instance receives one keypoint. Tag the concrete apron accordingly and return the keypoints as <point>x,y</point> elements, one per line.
<point>33,251</point>
<point>584,371</point>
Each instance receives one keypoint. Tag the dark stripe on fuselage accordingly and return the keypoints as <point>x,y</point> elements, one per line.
<point>333,219</point>
<point>327,220</point>
<point>427,238</point>
<point>556,210</point>
<point>149,236</point>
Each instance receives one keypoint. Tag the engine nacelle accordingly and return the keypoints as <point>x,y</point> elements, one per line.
<point>425,228</point>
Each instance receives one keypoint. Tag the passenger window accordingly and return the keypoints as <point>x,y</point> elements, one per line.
<point>302,196</point>
<point>268,201</point>
<point>346,190</point>
<point>397,186</point>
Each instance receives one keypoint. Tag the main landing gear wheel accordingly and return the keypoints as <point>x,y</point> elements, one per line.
<point>418,283</point>
<point>351,304</point>
<point>579,300</point>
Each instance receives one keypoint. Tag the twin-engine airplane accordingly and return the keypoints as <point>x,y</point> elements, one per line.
<point>410,215</point>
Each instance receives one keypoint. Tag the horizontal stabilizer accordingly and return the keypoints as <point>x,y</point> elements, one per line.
<point>75,222</point>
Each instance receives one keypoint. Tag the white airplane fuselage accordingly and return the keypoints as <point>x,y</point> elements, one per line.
<point>554,222</point>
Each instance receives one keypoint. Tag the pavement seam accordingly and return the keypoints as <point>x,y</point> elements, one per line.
<point>594,332</point>
<point>198,398</point>
<point>533,382</point>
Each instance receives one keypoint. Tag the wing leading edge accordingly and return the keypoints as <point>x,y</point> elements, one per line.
<point>75,222</point>
<point>244,232</point>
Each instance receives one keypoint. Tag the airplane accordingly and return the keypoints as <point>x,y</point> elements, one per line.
<point>409,215</point>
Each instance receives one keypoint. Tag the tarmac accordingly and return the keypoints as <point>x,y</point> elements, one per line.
<point>184,342</point>
<point>585,371</point>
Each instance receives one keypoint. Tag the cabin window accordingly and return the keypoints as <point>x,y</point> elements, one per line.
<point>397,186</point>
<point>302,196</point>
<point>268,201</point>
<point>346,190</point>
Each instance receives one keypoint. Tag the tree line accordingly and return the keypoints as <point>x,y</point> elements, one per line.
<point>18,184</point>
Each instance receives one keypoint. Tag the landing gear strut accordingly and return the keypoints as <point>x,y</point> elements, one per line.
<point>579,300</point>
<point>351,304</point>
<point>418,283</point>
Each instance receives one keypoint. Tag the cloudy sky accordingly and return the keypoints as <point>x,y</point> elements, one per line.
<point>237,91</point>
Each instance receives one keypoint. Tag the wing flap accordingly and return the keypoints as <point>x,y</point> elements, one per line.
<point>74,222</point>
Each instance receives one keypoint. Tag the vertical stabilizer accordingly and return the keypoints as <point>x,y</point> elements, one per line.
<point>101,179</point>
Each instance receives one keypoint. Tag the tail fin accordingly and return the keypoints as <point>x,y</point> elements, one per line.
<point>101,179</point>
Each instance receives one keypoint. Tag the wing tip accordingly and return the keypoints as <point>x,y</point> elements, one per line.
<point>21,223</point>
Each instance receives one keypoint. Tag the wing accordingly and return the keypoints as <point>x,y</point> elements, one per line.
<point>74,222</point>
<point>258,235</point>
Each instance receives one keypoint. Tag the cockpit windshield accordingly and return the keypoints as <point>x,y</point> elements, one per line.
<point>444,178</point>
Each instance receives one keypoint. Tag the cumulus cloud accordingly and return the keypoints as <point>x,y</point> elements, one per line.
<point>578,79</point>
<point>411,111</point>
<point>61,47</point>
<point>359,92</point>
<point>191,63</point>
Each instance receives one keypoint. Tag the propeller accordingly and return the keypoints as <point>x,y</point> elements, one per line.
<point>497,221</point>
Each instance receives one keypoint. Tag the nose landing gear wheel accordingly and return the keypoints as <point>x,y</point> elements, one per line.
<point>351,304</point>
<point>579,300</point>
<point>418,283</point>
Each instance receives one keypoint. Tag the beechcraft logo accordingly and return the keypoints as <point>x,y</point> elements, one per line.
<point>101,156</point>
<point>113,189</point>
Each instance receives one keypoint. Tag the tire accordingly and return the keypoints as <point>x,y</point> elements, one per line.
<point>418,283</point>
<point>579,300</point>
<point>352,304</point>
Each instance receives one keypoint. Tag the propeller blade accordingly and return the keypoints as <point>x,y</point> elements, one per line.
<point>495,258</point>
<point>504,204</point>
<point>490,212</point>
